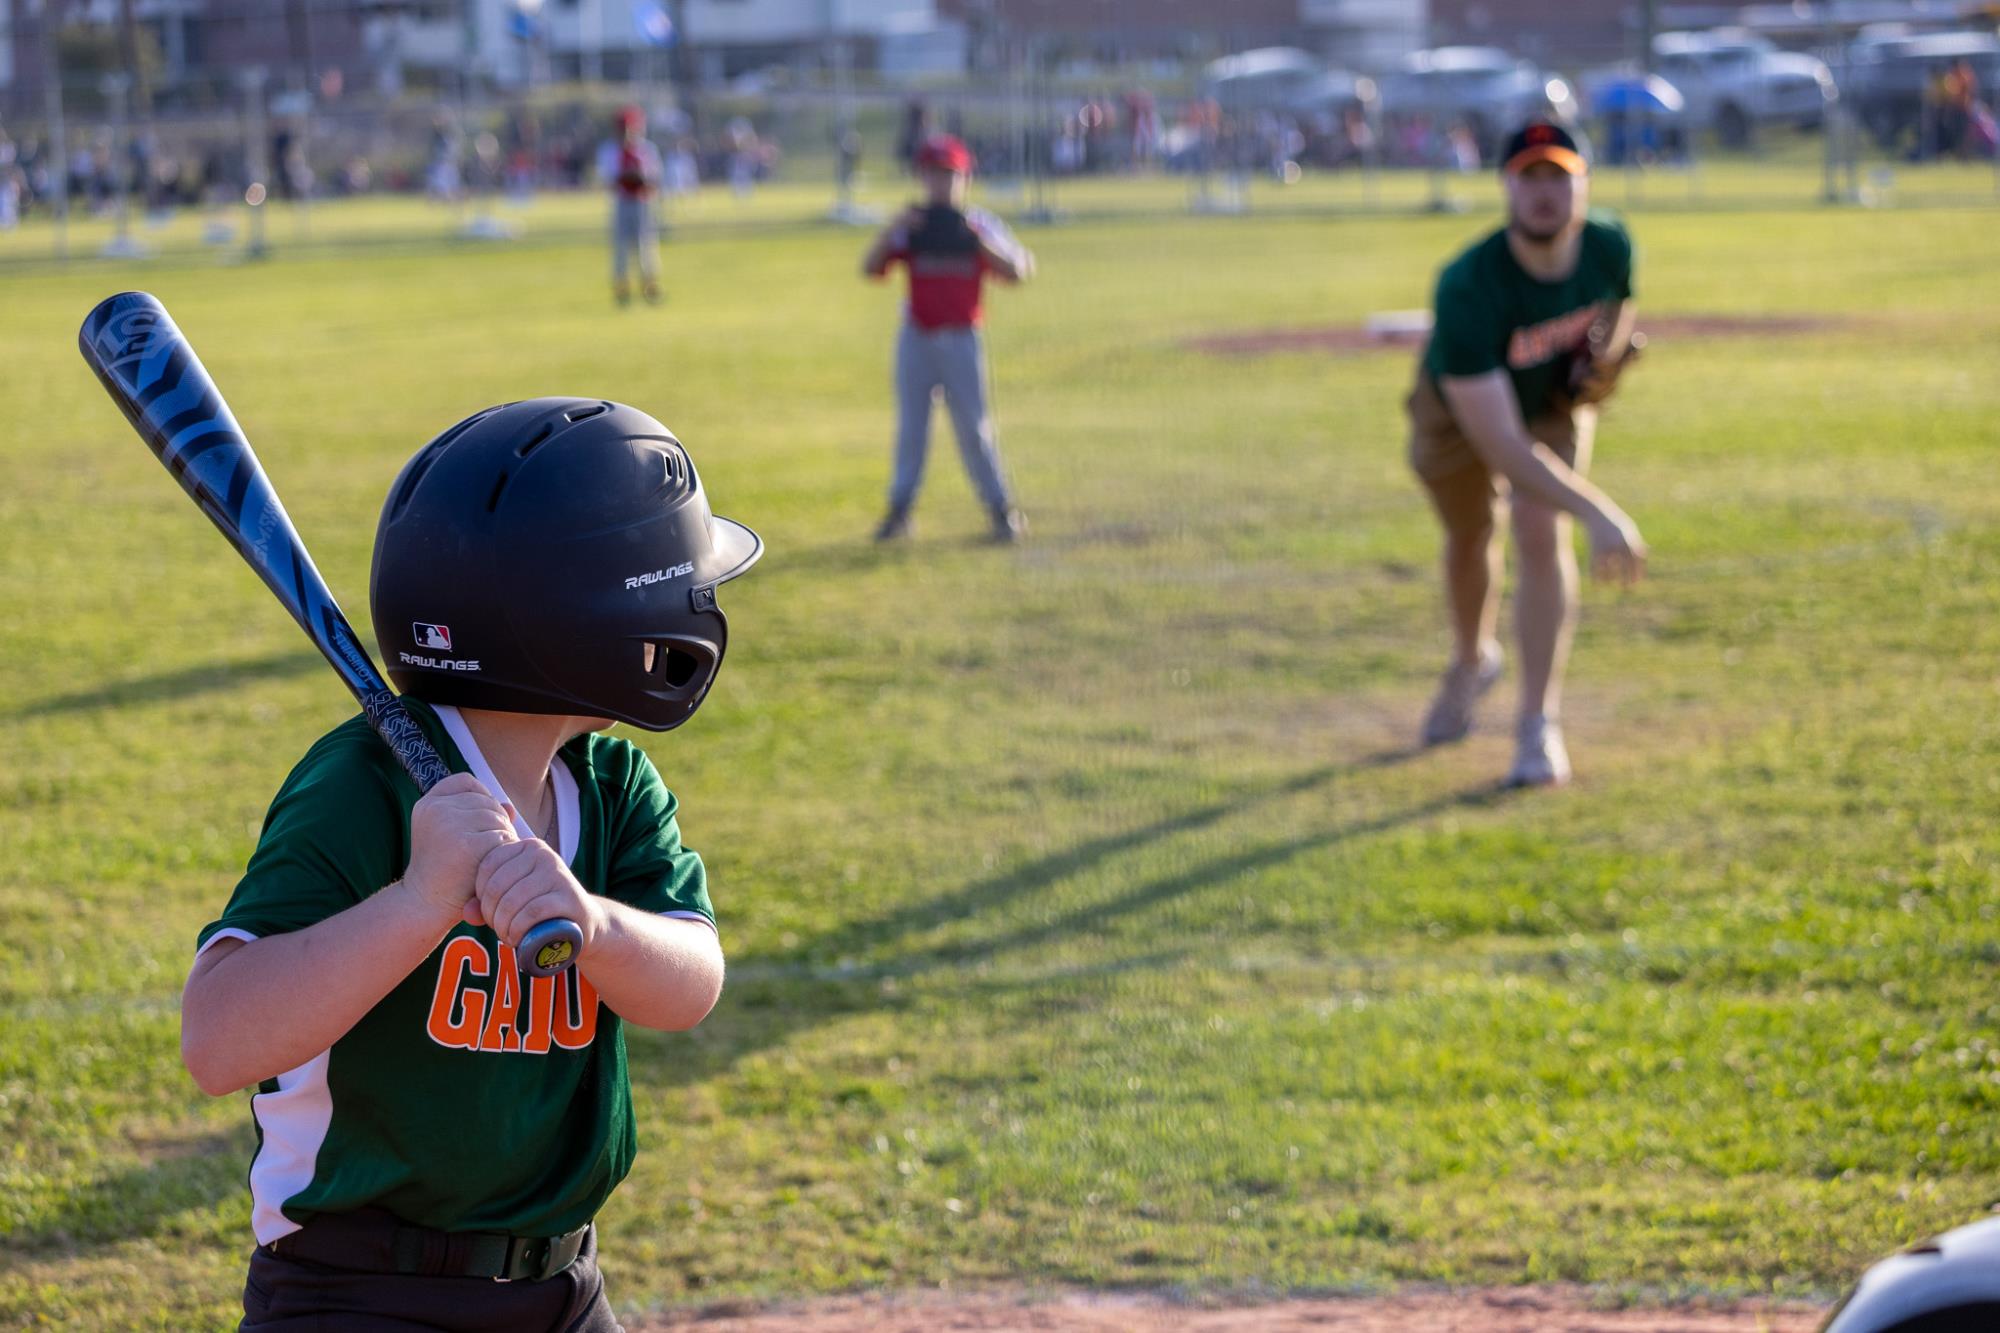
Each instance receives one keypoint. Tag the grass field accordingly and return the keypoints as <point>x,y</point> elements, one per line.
<point>1089,919</point>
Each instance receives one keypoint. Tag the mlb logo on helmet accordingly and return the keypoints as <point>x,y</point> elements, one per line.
<point>432,636</point>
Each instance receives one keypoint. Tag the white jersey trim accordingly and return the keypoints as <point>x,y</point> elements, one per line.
<point>226,933</point>
<point>293,1121</point>
<point>569,811</point>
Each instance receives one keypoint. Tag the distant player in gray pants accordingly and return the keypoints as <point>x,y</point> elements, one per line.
<point>948,252</point>
<point>631,167</point>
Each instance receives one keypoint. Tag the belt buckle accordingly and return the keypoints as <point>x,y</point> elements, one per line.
<point>535,1252</point>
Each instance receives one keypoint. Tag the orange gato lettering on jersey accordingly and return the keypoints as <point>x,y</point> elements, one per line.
<point>1551,338</point>
<point>554,1011</point>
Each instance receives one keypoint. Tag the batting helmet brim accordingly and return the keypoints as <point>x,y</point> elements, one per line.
<point>736,547</point>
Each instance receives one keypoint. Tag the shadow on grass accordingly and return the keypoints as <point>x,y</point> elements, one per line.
<point>179,684</point>
<point>774,995</point>
<point>135,1200</point>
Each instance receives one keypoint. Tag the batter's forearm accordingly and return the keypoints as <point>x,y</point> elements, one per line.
<point>656,971</point>
<point>254,1009</point>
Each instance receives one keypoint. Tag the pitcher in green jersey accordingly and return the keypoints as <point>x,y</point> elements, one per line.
<point>1494,417</point>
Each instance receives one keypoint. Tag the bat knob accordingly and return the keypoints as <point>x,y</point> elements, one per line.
<point>549,947</point>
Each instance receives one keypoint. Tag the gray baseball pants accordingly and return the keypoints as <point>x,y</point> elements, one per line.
<point>634,235</point>
<point>953,362</point>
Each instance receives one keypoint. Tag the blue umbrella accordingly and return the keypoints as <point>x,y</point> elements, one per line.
<point>1634,93</point>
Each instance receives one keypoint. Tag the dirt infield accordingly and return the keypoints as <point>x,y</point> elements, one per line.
<point>1354,339</point>
<point>1548,1309</point>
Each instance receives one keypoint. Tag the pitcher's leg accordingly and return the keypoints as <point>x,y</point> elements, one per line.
<point>1468,503</point>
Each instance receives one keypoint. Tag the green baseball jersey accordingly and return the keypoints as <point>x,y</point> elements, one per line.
<point>1491,313</point>
<point>472,1097</point>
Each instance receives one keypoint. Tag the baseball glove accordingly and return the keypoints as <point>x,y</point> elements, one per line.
<point>1592,375</point>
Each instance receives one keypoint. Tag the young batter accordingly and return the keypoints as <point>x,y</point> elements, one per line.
<point>948,252</point>
<point>435,1128</point>
<point>1495,409</point>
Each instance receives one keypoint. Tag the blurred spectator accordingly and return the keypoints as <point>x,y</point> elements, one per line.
<point>12,182</point>
<point>1961,100</point>
<point>523,149</point>
<point>1357,136</point>
<point>847,159</point>
<point>36,161</point>
<point>1066,149</point>
<point>294,174</point>
<point>441,171</point>
<point>488,168</point>
<point>1462,147</point>
<point>1143,119</point>
<point>683,167</point>
<point>916,128</point>
<point>745,156</point>
<point>1933,134</point>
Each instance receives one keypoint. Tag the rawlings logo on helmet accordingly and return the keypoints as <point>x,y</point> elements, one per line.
<point>660,575</point>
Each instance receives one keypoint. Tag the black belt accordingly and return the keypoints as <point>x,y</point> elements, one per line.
<point>375,1241</point>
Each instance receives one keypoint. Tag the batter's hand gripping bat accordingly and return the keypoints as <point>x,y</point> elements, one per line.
<point>151,372</point>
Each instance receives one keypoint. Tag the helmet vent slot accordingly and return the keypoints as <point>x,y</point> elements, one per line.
<point>493,500</point>
<point>576,414</point>
<point>548,429</point>
<point>422,462</point>
<point>409,487</point>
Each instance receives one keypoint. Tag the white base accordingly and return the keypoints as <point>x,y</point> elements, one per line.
<point>489,228</point>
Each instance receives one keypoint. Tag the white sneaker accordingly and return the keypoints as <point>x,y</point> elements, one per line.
<point>1458,694</point>
<point>1540,760</point>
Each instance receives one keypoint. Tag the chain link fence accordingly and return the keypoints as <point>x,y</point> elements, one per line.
<point>260,169</point>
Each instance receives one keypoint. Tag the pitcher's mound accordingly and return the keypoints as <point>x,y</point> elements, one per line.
<point>1407,328</point>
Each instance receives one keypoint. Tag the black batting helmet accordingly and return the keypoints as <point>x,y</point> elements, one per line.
<point>555,556</point>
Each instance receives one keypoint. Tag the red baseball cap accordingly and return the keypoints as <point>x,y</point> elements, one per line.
<point>946,152</point>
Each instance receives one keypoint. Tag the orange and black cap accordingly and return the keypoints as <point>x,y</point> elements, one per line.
<point>1543,141</point>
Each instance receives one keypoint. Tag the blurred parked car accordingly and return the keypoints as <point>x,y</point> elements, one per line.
<point>1490,90</point>
<point>1885,71</point>
<point>1281,78</point>
<point>1736,82</point>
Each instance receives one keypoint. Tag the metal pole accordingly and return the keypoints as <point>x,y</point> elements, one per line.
<point>256,164</point>
<point>590,36</point>
<point>52,104</point>
<point>119,86</point>
<point>1017,107</point>
<point>1037,133</point>
<point>1830,128</point>
<point>299,20</point>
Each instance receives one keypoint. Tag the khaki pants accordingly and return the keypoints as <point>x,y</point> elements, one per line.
<point>1439,449</point>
